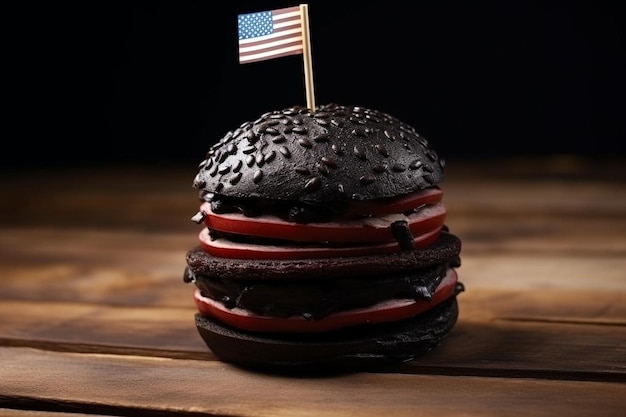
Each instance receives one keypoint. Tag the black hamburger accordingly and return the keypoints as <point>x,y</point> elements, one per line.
<point>323,243</point>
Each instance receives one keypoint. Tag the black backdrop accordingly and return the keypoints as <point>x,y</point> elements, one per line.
<point>156,82</point>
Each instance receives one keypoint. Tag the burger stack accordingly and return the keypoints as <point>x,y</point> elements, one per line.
<point>323,243</point>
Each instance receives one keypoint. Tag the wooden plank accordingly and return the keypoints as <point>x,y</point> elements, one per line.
<point>166,332</point>
<point>543,314</point>
<point>534,273</point>
<point>165,198</point>
<point>5,412</point>
<point>529,349</point>
<point>158,282</point>
<point>133,268</point>
<point>27,318</point>
<point>565,167</point>
<point>591,235</point>
<point>116,267</point>
<point>552,334</point>
<point>91,381</point>
<point>545,304</point>
<point>106,197</point>
<point>539,197</point>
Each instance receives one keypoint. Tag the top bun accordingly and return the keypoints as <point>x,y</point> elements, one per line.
<point>333,154</point>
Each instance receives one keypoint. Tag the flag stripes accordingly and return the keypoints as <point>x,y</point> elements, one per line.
<point>267,35</point>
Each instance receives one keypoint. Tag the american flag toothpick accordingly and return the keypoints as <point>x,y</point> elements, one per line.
<point>275,33</point>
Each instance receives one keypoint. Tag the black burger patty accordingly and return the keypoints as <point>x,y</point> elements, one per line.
<point>446,249</point>
<point>314,288</point>
<point>317,299</point>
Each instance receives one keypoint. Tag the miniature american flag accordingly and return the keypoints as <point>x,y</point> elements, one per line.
<point>270,34</point>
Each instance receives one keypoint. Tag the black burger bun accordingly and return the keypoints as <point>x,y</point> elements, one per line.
<point>363,348</point>
<point>334,153</point>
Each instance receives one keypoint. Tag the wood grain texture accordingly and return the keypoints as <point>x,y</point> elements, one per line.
<point>214,388</point>
<point>6,412</point>
<point>550,335</point>
<point>95,318</point>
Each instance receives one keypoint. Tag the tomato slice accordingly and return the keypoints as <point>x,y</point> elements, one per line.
<point>225,248</point>
<point>371,229</point>
<point>388,311</point>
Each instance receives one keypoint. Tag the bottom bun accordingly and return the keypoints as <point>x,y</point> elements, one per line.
<point>357,348</point>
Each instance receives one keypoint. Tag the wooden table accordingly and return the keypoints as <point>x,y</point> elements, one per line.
<point>96,319</point>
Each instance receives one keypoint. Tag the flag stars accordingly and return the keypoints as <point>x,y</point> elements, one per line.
<point>252,25</point>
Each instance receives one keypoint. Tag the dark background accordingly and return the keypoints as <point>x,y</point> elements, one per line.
<point>157,82</point>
